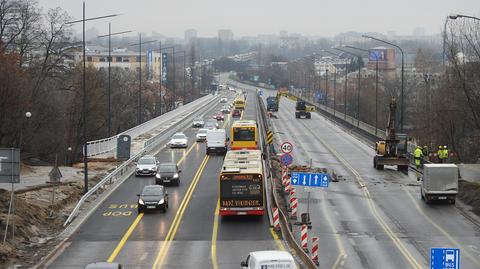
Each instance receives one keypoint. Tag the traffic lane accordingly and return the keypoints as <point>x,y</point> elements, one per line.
<point>195,231</point>
<point>425,228</point>
<point>115,215</point>
<point>343,202</point>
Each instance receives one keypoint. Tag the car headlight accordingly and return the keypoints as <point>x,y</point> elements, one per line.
<point>161,201</point>
<point>153,169</point>
<point>176,175</point>
<point>136,169</point>
<point>158,176</point>
<point>140,201</point>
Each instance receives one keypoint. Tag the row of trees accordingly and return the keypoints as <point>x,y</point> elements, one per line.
<point>35,77</point>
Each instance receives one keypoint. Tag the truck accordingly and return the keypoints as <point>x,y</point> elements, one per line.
<point>301,110</point>
<point>439,182</point>
<point>272,104</point>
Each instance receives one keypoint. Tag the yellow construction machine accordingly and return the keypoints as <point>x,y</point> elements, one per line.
<point>392,150</point>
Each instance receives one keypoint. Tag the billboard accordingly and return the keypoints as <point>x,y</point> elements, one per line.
<point>149,64</point>
<point>378,55</point>
<point>164,67</point>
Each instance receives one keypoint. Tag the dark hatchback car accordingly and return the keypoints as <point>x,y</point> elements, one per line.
<point>153,197</point>
<point>168,173</point>
<point>236,113</point>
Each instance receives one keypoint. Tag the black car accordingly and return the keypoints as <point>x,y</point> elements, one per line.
<point>167,173</point>
<point>153,197</point>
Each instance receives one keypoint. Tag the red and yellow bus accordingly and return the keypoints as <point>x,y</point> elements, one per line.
<point>244,135</point>
<point>241,184</point>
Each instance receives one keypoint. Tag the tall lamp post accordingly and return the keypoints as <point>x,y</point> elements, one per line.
<point>359,82</point>
<point>84,109</point>
<point>139,44</point>
<point>402,107</point>
<point>376,84</point>
<point>346,81</point>
<point>109,92</point>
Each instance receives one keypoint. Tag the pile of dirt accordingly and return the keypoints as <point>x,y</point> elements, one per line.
<point>469,193</point>
<point>37,221</point>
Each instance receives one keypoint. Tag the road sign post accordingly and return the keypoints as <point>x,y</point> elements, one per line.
<point>445,258</point>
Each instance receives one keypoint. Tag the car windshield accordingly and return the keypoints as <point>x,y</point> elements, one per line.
<point>179,136</point>
<point>198,120</point>
<point>157,191</point>
<point>146,161</point>
<point>202,131</point>
<point>168,168</point>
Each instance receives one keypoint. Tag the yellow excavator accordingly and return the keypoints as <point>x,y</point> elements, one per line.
<point>392,150</point>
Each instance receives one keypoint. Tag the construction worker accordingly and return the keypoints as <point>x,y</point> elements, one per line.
<point>440,154</point>
<point>418,154</point>
<point>445,153</point>
<point>426,152</point>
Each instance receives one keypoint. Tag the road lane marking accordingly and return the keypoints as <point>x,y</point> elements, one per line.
<point>214,237</point>
<point>445,233</point>
<point>179,215</point>
<point>407,255</point>
<point>277,240</point>
<point>125,238</point>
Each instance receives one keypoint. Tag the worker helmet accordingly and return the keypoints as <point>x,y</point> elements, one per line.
<point>439,147</point>
<point>425,146</point>
<point>444,147</point>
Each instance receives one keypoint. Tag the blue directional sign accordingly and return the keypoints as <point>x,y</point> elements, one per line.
<point>286,159</point>
<point>445,258</point>
<point>310,180</point>
<point>260,93</point>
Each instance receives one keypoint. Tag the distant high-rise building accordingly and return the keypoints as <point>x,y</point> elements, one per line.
<point>225,34</point>
<point>283,33</point>
<point>190,35</point>
<point>419,31</point>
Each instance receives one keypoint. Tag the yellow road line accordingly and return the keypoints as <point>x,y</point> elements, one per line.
<point>125,238</point>
<point>407,255</point>
<point>445,233</point>
<point>134,224</point>
<point>214,237</point>
<point>277,240</point>
<point>176,222</point>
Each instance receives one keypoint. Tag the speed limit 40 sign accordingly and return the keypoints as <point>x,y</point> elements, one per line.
<point>286,147</point>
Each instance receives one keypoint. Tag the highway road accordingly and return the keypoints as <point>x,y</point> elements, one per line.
<point>372,219</point>
<point>189,235</point>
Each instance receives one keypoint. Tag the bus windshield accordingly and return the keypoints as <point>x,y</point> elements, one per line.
<point>244,134</point>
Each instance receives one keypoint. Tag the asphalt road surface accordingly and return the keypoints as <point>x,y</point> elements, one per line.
<point>189,235</point>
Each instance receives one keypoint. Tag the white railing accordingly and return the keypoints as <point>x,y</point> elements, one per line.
<point>105,145</point>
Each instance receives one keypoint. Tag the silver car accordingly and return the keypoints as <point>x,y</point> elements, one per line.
<point>202,135</point>
<point>179,140</point>
<point>198,123</point>
<point>146,166</point>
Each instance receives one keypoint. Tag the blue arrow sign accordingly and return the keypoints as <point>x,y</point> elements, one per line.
<point>445,258</point>
<point>310,180</point>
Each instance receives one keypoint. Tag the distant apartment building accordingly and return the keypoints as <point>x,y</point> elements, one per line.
<point>121,58</point>
<point>225,34</point>
<point>190,35</point>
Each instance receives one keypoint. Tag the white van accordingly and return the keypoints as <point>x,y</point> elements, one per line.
<point>217,141</point>
<point>269,259</point>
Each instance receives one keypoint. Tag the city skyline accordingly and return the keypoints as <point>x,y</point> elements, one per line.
<point>307,17</point>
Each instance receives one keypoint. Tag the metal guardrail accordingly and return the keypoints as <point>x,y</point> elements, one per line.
<point>127,166</point>
<point>105,145</point>
<point>285,226</point>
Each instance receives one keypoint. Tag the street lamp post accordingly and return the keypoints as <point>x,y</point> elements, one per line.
<point>346,78</point>
<point>84,109</point>
<point>402,107</point>
<point>359,82</point>
<point>139,44</point>
<point>109,93</point>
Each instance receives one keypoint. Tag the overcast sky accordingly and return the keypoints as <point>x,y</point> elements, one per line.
<point>252,17</point>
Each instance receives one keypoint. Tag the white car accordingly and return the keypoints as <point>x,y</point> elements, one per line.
<point>211,124</point>
<point>223,100</point>
<point>179,140</point>
<point>225,109</point>
<point>146,166</point>
<point>198,123</point>
<point>202,135</point>
<point>269,259</point>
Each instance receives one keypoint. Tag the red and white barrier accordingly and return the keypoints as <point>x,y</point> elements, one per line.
<point>293,207</point>
<point>315,250</point>
<point>284,176</point>
<point>304,238</point>
<point>276,219</point>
